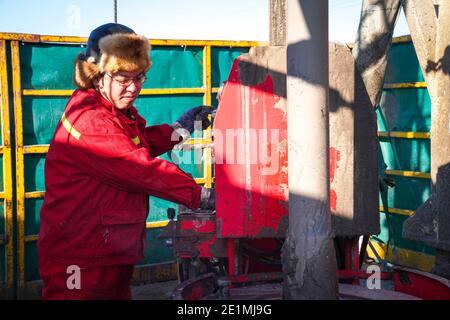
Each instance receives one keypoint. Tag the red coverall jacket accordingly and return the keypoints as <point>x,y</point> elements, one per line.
<point>99,171</point>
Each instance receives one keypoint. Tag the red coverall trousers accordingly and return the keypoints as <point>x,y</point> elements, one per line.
<point>95,283</point>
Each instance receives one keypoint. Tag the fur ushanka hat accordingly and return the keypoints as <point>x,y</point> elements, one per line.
<point>111,48</point>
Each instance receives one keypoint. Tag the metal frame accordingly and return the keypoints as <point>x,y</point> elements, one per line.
<point>5,150</point>
<point>207,90</point>
<point>404,134</point>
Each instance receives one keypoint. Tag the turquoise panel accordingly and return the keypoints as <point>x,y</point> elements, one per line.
<point>176,67</point>
<point>48,66</point>
<point>397,241</point>
<point>31,266</point>
<point>34,172</point>
<point>40,117</point>
<point>408,193</point>
<point>403,65</point>
<point>32,215</point>
<point>406,154</point>
<point>221,62</point>
<point>405,110</point>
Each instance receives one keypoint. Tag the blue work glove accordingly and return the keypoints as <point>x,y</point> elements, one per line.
<point>188,119</point>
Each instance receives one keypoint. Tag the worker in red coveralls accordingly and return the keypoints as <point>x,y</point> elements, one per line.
<point>100,169</point>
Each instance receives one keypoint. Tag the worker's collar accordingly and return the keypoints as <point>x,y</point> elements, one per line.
<point>126,116</point>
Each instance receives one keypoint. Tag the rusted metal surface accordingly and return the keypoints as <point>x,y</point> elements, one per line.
<point>196,236</point>
<point>353,149</point>
<point>251,147</point>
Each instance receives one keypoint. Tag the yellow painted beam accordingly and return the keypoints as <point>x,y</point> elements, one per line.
<point>157,224</point>
<point>45,93</point>
<point>402,212</point>
<point>38,148</point>
<point>401,39</point>
<point>200,180</point>
<point>34,195</point>
<point>404,134</point>
<point>213,43</point>
<point>31,238</point>
<point>207,98</point>
<point>65,39</point>
<point>7,194</point>
<point>409,258</point>
<point>67,93</point>
<point>195,141</point>
<point>215,90</point>
<point>20,181</point>
<point>19,37</point>
<point>173,91</point>
<point>410,174</point>
<point>154,42</point>
<point>405,85</point>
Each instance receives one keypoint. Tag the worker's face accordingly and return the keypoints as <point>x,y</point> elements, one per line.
<point>122,88</point>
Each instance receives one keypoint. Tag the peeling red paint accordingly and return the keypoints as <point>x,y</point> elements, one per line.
<point>335,157</point>
<point>333,200</point>
<point>199,225</point>
<point>255,202</point>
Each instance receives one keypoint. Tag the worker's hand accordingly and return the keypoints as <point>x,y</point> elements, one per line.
<point>208,199</point>
<point>188,120</point>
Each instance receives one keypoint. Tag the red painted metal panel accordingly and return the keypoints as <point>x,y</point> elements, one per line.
<point>420,284</point>
<point>250,149</point>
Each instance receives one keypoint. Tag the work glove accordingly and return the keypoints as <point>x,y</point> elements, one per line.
<point>188,119</point>
<point>208,199</point>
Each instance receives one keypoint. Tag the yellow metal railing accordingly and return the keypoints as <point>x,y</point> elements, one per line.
<point>404,134</point>
<point>7,194</point>
<point>20,150</point>
<point>20,178</point>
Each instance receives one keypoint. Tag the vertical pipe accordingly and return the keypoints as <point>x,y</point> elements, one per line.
<point>373,41</point>
<point>207,99</point>
<point>115,11</point>
<point>277,16</point>
<point>440,141</point>
<point>309,262</point>
<point>20,179</point>
<point>7,170</point>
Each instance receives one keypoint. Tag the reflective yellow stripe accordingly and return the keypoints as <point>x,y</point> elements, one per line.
<point>136,140</point>
<point>70,129</point>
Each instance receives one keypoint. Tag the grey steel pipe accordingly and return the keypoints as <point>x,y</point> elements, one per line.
<point>309,262</point>
<point>373,41</point>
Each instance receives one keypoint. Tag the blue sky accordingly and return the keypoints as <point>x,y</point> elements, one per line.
<point>168,19</point>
